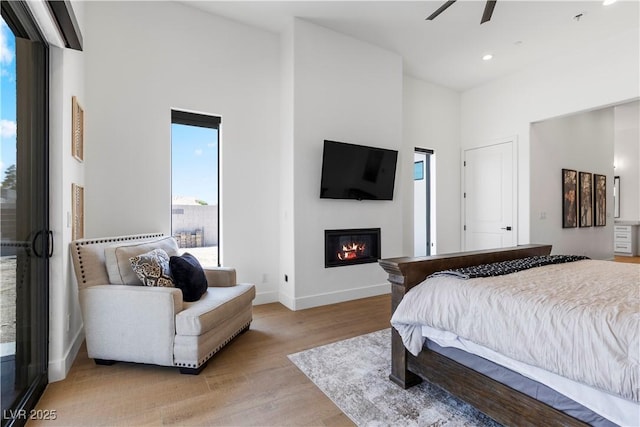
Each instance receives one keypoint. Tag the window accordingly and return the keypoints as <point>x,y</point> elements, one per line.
<point>195,149</point>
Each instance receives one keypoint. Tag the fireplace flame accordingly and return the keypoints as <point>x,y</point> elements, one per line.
<point>351,251</point>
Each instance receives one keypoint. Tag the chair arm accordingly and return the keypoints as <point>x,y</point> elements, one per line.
<point>130,323</point>
<point>220,276</point>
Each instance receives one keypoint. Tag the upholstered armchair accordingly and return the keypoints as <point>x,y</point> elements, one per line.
<point>126,320</point>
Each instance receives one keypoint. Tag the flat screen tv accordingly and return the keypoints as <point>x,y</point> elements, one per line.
<point>359,172</point>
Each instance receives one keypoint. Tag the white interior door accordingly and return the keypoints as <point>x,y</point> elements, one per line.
<point>489,199</point>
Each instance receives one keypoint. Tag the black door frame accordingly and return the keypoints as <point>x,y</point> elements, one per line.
<point>33,242</point>
<point>427,176</point>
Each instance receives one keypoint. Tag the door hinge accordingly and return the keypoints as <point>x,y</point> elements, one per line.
<point>464,163</point>
<point>464,195</point>
<point>465,227</point>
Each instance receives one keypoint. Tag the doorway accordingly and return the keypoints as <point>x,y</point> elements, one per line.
<point>424,202</point>
<point>25,238</point>
<point>490,197</point>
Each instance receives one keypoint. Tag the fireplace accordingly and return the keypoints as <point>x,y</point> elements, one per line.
<point>352,246</point>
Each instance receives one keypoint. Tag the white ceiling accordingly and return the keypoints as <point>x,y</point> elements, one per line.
<point>448,50</point>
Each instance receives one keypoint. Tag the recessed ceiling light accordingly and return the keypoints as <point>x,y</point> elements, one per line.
<point>608,2</point>
<point>487,57</point>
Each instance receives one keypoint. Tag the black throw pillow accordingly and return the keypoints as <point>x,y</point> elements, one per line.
<point>188,276</point>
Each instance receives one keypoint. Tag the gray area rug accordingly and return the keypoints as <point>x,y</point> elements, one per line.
<point>354,374</point>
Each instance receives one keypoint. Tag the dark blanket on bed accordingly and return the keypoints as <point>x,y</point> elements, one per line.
<point>508,267</point>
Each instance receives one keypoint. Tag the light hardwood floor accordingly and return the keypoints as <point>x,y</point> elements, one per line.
<point>629,259</point>
<point>250,382</point>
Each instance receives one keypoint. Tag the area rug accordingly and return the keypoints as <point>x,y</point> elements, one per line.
<point>354,374</point>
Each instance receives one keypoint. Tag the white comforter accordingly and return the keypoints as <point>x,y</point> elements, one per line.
<point>580,320</point>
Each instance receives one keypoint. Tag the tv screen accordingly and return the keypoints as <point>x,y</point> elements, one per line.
<point>351,171</point>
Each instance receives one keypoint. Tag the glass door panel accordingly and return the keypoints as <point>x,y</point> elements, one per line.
<point>24,235</point>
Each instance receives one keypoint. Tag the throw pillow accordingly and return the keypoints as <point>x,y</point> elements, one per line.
<point>152,268</point>
<point>188,276</point>
<point>117,257</point>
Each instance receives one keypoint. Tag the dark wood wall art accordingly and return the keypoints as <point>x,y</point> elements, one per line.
<point>569,198</point>
<point>600,200</point>
<point>586,199</point>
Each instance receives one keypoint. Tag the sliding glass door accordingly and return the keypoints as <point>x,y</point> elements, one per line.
<point>25,239</point>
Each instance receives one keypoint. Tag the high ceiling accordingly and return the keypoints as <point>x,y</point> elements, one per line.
<point>448,50</point>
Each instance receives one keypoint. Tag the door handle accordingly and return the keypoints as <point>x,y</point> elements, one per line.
<point>33,244</point>
<point>49,244</point>
<point>508,228</point>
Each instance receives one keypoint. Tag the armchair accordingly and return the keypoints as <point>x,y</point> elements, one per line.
<point>127,321</point>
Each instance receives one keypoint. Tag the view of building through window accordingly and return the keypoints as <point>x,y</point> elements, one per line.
<point>8,194</point>
<point>194,187</point>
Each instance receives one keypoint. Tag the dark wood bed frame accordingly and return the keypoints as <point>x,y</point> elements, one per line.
<point>500,402</point>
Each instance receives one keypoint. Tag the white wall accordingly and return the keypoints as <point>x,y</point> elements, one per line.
<point>583,142</point>
<point>287,255</point>
<point>142,60</point>
<point>604,74</point>
<point>431,119</point>
<point>627,159</point>
<point>65,320</point>
<point>350,91</point>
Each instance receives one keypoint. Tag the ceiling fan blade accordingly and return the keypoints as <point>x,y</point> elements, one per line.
<point>488,11</point>
<point>440,10</point>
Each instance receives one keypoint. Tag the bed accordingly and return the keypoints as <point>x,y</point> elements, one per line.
<point>476,374</point>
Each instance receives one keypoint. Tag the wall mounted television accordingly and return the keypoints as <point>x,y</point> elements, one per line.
<point>359,172</point>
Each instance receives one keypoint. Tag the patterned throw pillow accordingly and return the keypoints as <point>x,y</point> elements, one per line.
<point>153,268</point>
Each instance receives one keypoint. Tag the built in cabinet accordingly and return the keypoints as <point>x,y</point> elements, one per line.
<point>625,239</point>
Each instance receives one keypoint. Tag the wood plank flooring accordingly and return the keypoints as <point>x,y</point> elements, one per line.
<point>628,259</point>
<point>250,382</point>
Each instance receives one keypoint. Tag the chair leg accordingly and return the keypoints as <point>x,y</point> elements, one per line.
<point>105,362</point>
<point>193,371</point>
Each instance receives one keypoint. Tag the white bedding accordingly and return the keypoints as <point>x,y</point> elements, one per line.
<point>580,320</point>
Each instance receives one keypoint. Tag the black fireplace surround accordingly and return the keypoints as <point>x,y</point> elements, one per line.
<point>351,246</point>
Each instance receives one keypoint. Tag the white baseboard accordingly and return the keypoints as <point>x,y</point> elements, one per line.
<point>265,297</point>
<point>339,296</point>
<point>287,300</point>
<point>58,369</point>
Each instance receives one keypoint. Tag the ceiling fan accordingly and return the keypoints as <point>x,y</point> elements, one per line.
<point>486,16</point>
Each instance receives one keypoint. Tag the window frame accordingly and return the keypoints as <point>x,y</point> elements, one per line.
<point>189,118</point>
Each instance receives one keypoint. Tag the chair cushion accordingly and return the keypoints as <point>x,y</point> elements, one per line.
<point>117,258</point>
<point>152,268</point>
<point>188,276</point>
<point>213,308</point>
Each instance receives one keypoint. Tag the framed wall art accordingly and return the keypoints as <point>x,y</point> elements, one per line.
<point>77,129</point>
<point>569,198</point>
<point>600,200</point>
<point>77,212</point>
<point>586,199</point>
